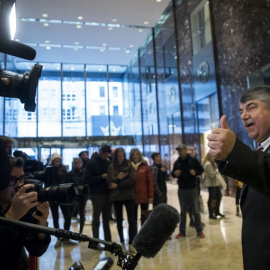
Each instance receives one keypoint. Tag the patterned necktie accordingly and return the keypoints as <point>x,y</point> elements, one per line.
<point>259,147</point>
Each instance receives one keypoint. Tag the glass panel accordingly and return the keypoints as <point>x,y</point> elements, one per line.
<point>116,99</point>
<point>49,101</point>
<point>200,27</point>
<point>97,105</point>
<point>73,100</point>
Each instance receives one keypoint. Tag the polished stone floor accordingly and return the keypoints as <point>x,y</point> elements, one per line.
<point>220,249</point>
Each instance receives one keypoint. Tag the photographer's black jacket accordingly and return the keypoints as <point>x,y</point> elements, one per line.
<point>13,239</point>
<point>95,167</point>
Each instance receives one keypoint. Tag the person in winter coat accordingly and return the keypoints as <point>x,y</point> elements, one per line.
<point>96,174</point>
<point>213,184</point>
<point>121,183</point>
<point>143,181</point>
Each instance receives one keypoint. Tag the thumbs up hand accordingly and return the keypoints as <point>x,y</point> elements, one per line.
<point>221,140</point>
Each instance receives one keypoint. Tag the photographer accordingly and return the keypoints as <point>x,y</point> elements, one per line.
<point>15,202</point>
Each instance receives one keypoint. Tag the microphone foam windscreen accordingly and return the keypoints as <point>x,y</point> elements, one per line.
<point>157,229</point>
<point>17,49</point>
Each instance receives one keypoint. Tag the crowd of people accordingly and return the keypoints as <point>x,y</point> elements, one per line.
<point>112,181</point>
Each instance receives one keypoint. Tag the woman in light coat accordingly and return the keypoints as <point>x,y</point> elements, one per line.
<point>211,181</point>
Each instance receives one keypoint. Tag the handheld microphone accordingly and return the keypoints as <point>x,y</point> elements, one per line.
<point>157,229</point>
<point>17,49</point>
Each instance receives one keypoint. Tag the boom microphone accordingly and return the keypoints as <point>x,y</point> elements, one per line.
<point>17,49</point>
<point>157,229</point>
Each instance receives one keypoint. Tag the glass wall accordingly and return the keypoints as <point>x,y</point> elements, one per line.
<point>49,101</point>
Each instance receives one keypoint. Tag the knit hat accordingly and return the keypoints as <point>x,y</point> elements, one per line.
<point>81,153</point>
<point>55,156</point>
<point>4,167</point>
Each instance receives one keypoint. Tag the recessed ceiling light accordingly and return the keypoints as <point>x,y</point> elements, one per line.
<point>158,1</point>
<point>48,48</point>
<point>127,51</point>
<point>47,41</point>
<point>72,68</point>
<point>101,50</point>
<point>79,26</point>
<point>104,44</point>
<point>140,30</point>
<point>76,43</point>
<point>76,49</point>
<point>114,20</point>
<point>110,28</point>
<point>146,22</point>
<point>45,24</point>
<point>80,17</point>
<point>131,46</point>
<point>100,69</point>
<point>44,15</point>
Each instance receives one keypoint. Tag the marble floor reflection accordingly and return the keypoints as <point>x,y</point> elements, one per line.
<point>220,249</point>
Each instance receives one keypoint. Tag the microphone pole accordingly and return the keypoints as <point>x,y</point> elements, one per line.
<point>93,243</point>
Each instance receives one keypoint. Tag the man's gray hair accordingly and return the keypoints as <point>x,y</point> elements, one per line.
<point>261,92</point>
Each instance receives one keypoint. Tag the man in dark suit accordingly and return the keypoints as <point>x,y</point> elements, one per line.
<point>251,167</point>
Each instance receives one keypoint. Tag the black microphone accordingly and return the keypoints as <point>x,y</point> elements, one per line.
<point>157,229</point>
<point>17,49</point>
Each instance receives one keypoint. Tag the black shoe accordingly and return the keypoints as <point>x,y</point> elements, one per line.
<point>213,217</point>
<point>221,215</point>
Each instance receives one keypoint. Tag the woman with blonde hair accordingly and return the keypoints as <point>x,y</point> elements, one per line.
<point>213,184</point>
<point>143,181</point>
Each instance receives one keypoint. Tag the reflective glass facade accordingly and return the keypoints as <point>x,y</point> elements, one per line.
<point>174,90</point>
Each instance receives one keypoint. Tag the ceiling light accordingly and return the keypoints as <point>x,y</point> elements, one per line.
<point>12,21</point>
<point>146,22</point>
<point>104,44</point>
<point>158,1</point>
<point>76,43</point>
<point>101,50</point>
<point>80,17</point>
<point>47,41</point>
<point>45,24</point>
<point>110,28</point>
<point>76,49</point>
<point>48,48</point>
<point>79,26</point>
<point>44,15</point>
<point>114,20</point>
<point>127,51</point>
<point>131,46</point>
<point>140,30</point>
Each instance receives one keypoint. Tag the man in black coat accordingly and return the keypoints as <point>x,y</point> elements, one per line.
<point>238,161</point>
<point>96,173</point>
<point>186,168</point>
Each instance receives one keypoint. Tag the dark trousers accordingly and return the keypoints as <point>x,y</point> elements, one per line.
<point>189,197</point>
<point>214,199</point>
<point>238,195</point>
<point>101,205</point>
<point>80,208</point>
<point>118,207</point>
<point>160,199</point>
<point>144,206</point>
<point>55,215</point>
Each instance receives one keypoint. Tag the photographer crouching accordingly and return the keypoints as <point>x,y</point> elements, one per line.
<point>15,202</point>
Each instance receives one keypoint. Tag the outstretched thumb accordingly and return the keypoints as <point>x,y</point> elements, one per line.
<point>223,122</point>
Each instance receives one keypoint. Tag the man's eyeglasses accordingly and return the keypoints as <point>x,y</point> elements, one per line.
<point>13,180</point>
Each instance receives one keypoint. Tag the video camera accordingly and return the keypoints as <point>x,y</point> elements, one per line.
<point>64,194</point>
<point>21,86</point>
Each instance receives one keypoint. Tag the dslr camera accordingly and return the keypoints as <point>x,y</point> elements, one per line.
<point>64,194</point>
